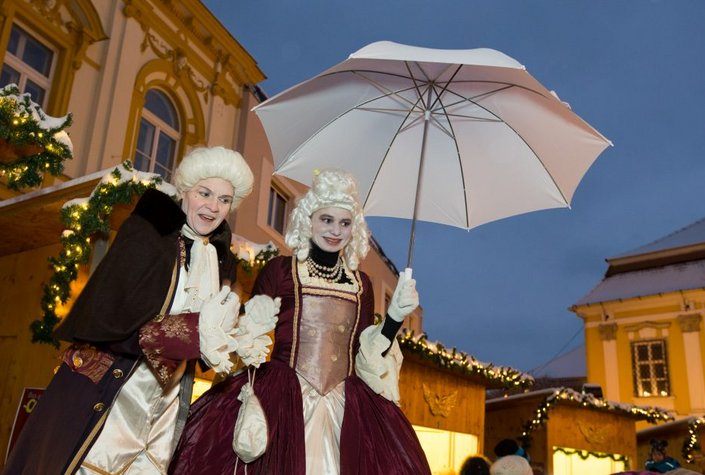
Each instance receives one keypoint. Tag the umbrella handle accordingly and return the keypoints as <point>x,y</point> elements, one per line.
<point>408,272</point>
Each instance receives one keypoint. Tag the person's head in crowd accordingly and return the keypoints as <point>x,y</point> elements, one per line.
<point>511,465</point>
<point>475,465</point>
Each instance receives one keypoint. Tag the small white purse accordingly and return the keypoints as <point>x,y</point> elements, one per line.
<point>250,432</point>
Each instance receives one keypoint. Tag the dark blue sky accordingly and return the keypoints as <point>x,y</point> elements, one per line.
<point>633,69</point>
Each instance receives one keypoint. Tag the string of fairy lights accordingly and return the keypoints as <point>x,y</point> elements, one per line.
<point>260,259</point>
<point>585,454</point>
<point>83,221</point>
<point>571,396</point>
<point>33,143</point>
<point>692,440</point>
<point>461,362</point>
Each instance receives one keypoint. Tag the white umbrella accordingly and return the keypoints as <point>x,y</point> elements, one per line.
<point>457,137</point>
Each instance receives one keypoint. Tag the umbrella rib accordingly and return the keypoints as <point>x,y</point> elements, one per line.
<point>388,92</point>
<point>516,132</point>
<point>384,158</point>
<point>451,134</point>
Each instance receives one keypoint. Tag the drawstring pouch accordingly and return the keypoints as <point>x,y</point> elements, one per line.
<point>250,432</point>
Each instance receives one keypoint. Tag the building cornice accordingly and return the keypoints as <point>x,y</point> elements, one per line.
<point>185,33</point>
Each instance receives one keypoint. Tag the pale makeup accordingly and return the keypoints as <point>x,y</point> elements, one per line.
<point>331,228</point>
<point>207,204</point>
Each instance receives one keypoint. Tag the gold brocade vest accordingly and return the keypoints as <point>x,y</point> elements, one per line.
<point>324,339</point>
<point>328,319</point>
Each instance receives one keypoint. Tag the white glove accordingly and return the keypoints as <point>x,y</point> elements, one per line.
<point>405,298</point>
<point>216,325</point>
<point>251,332</point>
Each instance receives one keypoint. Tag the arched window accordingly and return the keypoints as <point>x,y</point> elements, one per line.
<point>158,136</point>
<point>29,64</point>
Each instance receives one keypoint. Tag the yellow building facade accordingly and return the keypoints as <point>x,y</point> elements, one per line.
<point>644,335</point>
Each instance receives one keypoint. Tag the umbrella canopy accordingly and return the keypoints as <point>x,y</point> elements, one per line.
<point>457,137</point>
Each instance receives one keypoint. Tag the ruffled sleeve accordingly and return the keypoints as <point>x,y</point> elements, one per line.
<point>380,373</point>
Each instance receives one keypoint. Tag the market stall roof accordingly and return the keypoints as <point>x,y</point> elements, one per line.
<point>568,396</point>
<point>458,362</point>
<point>33,220</point>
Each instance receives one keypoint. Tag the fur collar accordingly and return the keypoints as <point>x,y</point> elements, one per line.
<point>166,216</point>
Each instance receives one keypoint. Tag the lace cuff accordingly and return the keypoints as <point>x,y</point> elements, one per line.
<point>253,327</point>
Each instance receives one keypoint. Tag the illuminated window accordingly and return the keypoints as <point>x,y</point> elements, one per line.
<point>650,368</point>
<point>158,136</point>
<point>276,216</point>
<point>446,450</point>
<point>580,462</point>
<point>28,64</point>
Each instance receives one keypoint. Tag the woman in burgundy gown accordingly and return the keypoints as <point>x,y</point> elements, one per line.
<point>330,392</point>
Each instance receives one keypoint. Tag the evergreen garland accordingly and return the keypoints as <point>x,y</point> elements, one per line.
<point>461,362</point>
<point>585,454</point>
<point>32,143</point>
<point>261,258</point>
<point>85,219</point>
<point>692,442</point>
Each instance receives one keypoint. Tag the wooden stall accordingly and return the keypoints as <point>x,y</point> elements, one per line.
<point>443,395</point>
<point>569,433</point>
<point>33,228</point>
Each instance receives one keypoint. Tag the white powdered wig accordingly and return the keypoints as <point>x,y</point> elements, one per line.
<point>330,189</point>
<point>215,162</point>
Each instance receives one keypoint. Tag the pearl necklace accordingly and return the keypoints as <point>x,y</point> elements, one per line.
<point>329,274</point>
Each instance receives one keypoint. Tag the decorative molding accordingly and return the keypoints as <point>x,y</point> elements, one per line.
<point>648,324</point>
<point>689,322</point>
<point>594,433</point>
<point>608,331</point>
<point>72,26</point>
<point>440,405</point>
<point>177,57</point>
<point>48,9</point>
<point>178,48</point>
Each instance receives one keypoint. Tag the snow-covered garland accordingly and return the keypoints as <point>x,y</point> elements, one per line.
<point>84,218</point>
<point>250,255</point>
<point>692,442</point>
<point>571,396</point>
<point>456,360</point>
<point>31,142</point>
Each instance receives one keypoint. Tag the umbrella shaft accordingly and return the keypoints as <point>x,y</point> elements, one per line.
<point>412,236</point>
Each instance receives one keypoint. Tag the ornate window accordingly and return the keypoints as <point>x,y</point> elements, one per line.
<point>159,135</point>
<point>650,368</point>
<point>29,63</point>
<point>276,215</point>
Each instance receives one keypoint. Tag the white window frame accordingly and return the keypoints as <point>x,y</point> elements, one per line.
<point>26,71</point>
<point>640,383</point>
<point>160,127</point>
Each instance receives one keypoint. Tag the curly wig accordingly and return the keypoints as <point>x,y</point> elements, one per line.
<point>330,189</point>
<point>215,162</point>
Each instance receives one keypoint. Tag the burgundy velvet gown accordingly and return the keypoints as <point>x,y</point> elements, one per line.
<point>375,437</point>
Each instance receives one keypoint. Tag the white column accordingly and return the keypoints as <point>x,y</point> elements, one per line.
<point>608,335</point>
<point>690,327</point>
